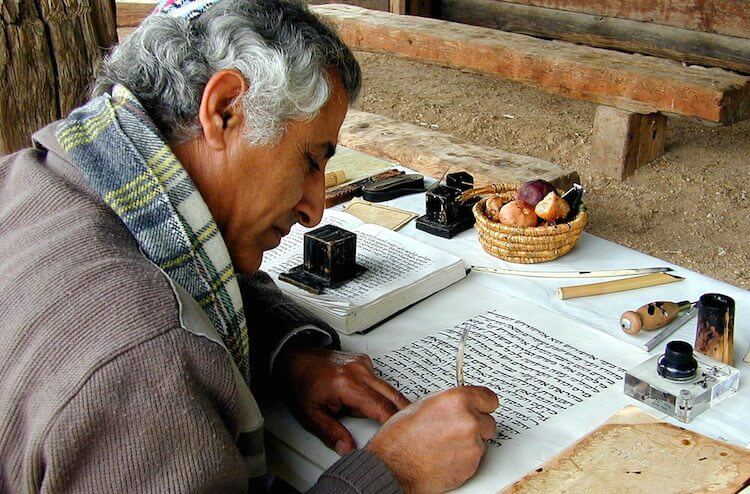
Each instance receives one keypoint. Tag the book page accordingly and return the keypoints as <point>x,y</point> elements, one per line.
<point>379,214</point>
<point>535,375</point>
<point>393,262</point>
<point>289,251</point>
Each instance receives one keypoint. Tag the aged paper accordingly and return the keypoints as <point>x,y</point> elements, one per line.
<point>379,214</point>
<point>636,453</point>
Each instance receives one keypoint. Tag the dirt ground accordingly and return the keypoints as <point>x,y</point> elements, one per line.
<point>689,207</point>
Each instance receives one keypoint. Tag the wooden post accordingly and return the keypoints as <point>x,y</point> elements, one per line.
<point>623,140</point>
<point>397,6</point>
<point>421,8</point>
<point>48,49</point>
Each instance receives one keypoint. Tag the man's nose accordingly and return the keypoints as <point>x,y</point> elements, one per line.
<point>309,209</point>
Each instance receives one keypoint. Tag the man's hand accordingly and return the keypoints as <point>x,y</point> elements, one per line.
<point>319,385</point>
<point>436,444</point>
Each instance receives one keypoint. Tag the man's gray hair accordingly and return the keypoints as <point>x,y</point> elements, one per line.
<point>281,48</point>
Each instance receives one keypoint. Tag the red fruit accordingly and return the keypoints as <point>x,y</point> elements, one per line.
<point>533,191</point>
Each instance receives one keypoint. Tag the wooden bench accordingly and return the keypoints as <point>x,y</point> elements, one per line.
<point>636,91</point>
<point>432,153</point>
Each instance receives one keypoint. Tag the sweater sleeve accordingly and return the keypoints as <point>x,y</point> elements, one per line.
<point>156,418</point>
<point>272,318</point>
<point>359,472</point>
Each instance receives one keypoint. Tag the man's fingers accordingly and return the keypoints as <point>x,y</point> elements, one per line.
<point>368,402</point>
<point>367,361</point>
<point>483,399</point>
<point>330,431</point>
<point>487,426</point>
<point>389,392</point>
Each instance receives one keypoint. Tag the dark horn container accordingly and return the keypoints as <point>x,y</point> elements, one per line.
<point>715,332</point>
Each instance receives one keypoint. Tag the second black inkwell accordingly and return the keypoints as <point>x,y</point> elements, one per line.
<point>330,260</point>
<point>445,214</point>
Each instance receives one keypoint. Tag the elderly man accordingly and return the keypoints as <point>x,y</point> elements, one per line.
<point>134,321</point>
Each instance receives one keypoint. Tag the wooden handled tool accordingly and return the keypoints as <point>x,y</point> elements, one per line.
<point>335,178</point>
<point>342,193</point>
<point>632,283</point>
<point>652,316</point>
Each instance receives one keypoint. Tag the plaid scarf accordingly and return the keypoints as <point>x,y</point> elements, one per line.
<point>127,163</point>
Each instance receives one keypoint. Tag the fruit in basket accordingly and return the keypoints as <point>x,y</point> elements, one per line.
<point>552,207</point>
<point>517,213</point>
<point>492,207</point>
<point>533,191</point>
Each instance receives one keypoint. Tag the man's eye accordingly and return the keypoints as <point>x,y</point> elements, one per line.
<point>312,164</point>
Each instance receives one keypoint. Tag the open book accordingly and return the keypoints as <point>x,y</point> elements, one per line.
<point>400,272</point>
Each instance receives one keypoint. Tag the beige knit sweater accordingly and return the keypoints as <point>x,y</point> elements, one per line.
<point>101,389</point>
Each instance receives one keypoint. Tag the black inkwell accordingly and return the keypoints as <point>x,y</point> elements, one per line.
<point>330,260</point>
<point>445,214</point>
<point>678,362</point>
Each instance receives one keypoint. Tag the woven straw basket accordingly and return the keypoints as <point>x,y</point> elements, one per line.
<point>524,245</point>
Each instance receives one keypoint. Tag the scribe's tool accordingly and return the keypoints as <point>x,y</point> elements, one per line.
<point>571,274</point>
<point>343,193</point>
<point>670,328</point>
<point>335,177</point>
<point>652,316</point>
<point>567,292</point>
<point>460,358</point>
<point>390,188</point>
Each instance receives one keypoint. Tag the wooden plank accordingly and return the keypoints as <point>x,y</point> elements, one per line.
<point>431,153</point>
<point>713,50</point>
<point>728,17</point>
<point>638,83</point>
<point>130,14</point>
<point>381,5</point>
<point>122,32</point>
<point>622,141</point>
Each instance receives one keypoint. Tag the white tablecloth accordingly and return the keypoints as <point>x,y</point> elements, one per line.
<point>299,457</point>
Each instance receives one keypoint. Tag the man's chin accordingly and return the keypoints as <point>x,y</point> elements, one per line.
<point>248,258</point>
<point>249,263</point>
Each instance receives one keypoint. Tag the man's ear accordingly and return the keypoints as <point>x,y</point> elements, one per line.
<point>218,114</point>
